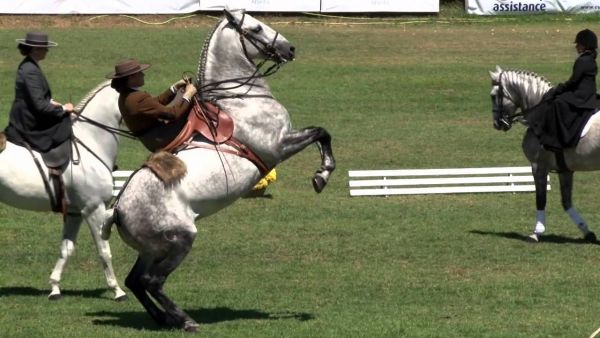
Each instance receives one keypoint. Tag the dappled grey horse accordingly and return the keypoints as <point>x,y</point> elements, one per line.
<point>88,180</point>
<point>514,93</point>
<point>158,220</point>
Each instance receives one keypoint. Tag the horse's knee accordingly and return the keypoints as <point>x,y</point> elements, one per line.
<point>181,237</point>
<point>67,248</point>
<point>105,254</point>
<point>153,283</point>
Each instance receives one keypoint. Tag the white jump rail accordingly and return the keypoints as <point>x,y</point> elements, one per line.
<point>440,181</point>
<point>119,179</point>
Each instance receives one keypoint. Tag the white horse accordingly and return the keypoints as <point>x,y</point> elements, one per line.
<point>88,180</point>
<point>520,90</point>
<point>158,221</point>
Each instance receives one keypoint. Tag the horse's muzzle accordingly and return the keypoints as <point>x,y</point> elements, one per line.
<point>502,124</point>
<point>286,53</point>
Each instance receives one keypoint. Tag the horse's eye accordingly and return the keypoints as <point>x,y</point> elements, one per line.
<point>257,29</point>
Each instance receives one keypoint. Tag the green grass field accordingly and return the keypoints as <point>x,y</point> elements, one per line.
<point>408,93</point>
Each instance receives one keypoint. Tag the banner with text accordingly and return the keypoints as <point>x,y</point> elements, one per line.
<point>345,6</point>
<point>262,5</point>
<point>190,6</point>
<point>498,7</point>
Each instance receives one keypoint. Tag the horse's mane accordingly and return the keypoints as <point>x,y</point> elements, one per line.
<point>520,73</point>
<point>90,95</point>
<point>524,85</point>
<point>203,55</point>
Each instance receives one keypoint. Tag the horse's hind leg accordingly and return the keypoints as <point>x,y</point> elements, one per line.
<point>135,283</point>
<point>181,244</point>
<point>566,193</point>
<point>95,220</point>
<point>296,141</point>
<point>71,227</point>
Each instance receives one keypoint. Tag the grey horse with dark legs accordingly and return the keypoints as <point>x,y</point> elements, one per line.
<point>514,93</point>
<point>156,219</point>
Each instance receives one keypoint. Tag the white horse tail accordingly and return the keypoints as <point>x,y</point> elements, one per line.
<point>106,227</point>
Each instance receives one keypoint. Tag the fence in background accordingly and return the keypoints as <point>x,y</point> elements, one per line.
<point>440,181</point>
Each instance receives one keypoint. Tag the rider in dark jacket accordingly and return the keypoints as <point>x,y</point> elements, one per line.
<point>567,107</point>
<point>35,118</point>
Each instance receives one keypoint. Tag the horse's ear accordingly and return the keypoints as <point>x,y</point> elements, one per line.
<point>228,15</point>
<point>498,69</point>
<point>492,74</point>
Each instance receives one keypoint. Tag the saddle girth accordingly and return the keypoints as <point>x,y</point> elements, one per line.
<point>59,200</point>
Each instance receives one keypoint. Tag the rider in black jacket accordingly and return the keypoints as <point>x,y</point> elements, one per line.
<point>35,118</point>
<point>567,107</point>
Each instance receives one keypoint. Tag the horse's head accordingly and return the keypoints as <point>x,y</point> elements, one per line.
<point>260,41</point>
<point>503,108</point>
<point>514,90</point>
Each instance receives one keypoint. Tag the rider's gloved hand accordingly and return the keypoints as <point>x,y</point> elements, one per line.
<point>190,91</point>
<point>178,85</point>
<point>68,107</point>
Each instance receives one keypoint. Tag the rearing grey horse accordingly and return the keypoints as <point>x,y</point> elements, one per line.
<point>158,220</point>
<point>520,90</point>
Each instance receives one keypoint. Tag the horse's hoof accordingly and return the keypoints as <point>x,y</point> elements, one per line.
<point>190,326</point>
<point>533,238</point>
<point>121,298</point>
<point>55,296</point>
<point>318,183</point>
<point>590,237</point>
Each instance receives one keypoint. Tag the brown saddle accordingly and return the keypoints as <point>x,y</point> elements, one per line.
<point>206,119</point>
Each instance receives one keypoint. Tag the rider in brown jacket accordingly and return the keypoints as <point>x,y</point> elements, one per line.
<point>155,120</point>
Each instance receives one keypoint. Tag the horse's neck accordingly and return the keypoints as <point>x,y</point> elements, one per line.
<point>526,90</point>
<point>102,108</point>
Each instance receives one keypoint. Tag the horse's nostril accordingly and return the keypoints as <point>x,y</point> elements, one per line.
<point>292,49</point>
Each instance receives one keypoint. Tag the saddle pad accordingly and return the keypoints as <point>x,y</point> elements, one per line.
<point>589,123</point>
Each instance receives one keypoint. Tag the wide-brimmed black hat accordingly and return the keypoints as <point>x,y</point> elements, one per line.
<point>126,68</point>
<point>587,38</point>
<point>37,39</point>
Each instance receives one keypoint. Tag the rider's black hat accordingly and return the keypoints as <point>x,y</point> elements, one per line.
<point>587,38</point>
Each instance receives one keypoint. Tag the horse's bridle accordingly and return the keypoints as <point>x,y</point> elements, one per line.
<point>268,49</point>
<point>502,120</point>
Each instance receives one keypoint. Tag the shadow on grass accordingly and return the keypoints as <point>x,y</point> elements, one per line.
<point>142,321</point>
<point>555,239</point>
<point>29,291</point>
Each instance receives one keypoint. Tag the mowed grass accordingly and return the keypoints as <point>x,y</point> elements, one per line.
<point>393,96</point>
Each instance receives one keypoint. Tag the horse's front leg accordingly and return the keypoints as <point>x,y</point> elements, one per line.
<point>540,177</point>
<point>566,193</point>
<point>71,227</point>
<point>95,221</point>
<point>296,141</point>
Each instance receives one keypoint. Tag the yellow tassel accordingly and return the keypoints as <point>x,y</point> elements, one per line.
<point>270,177</point>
